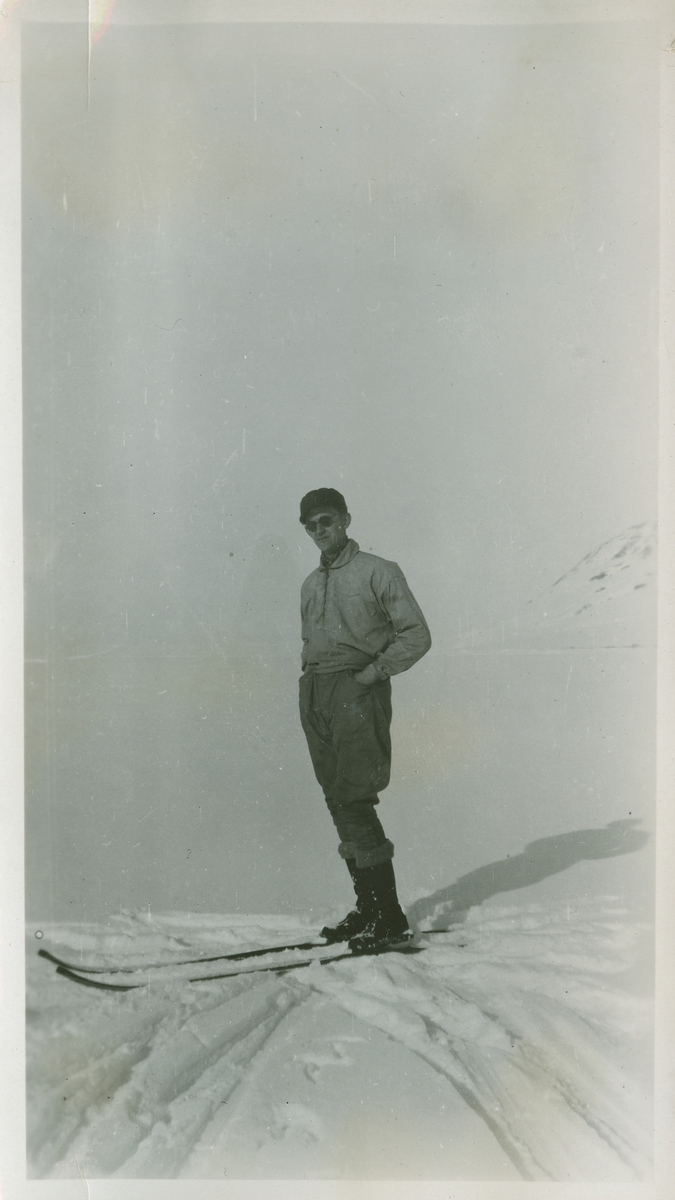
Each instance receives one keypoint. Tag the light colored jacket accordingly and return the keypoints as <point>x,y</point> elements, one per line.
<point>359,610</point>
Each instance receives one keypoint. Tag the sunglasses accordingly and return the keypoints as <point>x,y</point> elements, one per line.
<point>320,523</point>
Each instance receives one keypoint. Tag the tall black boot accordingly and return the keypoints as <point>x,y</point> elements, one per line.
<point>356,920</point>
<point>387,922</point>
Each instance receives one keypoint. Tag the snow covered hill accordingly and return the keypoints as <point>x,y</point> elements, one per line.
<point>604,600</point>
<point>512,1047</point>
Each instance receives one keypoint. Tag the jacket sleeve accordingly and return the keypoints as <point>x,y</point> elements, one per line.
<point>304,631</point>
<point>411,638</point>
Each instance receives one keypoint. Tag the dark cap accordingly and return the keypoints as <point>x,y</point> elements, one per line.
<point>321,498</point>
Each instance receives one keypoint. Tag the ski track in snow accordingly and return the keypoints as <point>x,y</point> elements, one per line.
<point>523,1009</point>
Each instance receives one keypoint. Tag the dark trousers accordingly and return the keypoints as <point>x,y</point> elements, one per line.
<point>347,731</point>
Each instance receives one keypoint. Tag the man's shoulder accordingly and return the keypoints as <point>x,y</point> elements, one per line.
<point>312,578</point>
<point>375,559</point>
<point>372,564</point>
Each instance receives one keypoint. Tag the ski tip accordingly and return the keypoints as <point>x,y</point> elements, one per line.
<point>94,983</point>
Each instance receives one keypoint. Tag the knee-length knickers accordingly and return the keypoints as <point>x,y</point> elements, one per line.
<point>347,729</point>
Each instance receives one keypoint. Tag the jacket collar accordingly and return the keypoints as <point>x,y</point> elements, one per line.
<point>345,556</point>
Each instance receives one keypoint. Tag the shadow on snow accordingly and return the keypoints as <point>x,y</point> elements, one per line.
<point>540,859</point>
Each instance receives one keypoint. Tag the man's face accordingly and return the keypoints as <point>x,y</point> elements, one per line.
<point>328,529</point>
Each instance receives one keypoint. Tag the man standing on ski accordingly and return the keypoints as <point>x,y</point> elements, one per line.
<point>360,625</point>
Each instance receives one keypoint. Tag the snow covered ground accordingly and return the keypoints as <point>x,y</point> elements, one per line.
<point>515,1046</point>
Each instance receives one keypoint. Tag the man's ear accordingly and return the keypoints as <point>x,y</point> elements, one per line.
<point>348,519</point>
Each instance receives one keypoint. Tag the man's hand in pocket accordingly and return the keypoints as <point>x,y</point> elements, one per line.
<point>368,676</point>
